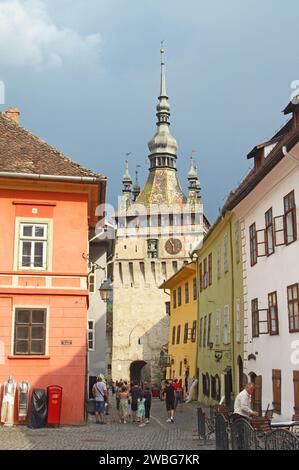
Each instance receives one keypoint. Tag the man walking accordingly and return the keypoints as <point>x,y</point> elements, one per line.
<point>242,407</point>
<point>170,401</point>
<point>99,392</point>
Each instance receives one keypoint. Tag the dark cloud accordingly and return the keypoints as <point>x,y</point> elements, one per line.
<point>229,69</point>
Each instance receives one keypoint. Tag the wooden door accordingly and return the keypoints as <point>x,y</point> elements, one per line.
<point>276,383</point>
<point>296,391</point>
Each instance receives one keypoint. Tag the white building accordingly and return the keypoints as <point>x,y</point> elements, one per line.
<point>266,204</point>
<point>98,334</point>
<point>156,230</point>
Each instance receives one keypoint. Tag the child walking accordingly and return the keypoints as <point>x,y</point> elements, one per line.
<point>141,412</point>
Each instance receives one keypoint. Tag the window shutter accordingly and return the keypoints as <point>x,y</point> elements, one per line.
<point>238,321</point>
<point>279,230</point>
<point>200,277</point>
<point>226,326</point>
<point>261,243</point>
<point>257,395</point>
<point>276,384</point>
<point>210,269</point>
<point>173,335</point>
<point>296,391</point>
<point>218,327</point>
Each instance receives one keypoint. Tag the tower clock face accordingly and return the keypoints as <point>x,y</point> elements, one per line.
<point>173,246</point>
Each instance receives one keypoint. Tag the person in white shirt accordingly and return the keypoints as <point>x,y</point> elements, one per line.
<point>242,407</point>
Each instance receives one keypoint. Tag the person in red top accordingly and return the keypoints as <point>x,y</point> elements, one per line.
<point>175,384</point>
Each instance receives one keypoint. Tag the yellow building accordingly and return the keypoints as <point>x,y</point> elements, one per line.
<point>220,312</point>
<point>183,322</point>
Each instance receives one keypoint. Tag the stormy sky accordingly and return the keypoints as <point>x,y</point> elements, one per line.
<point>85,75</point>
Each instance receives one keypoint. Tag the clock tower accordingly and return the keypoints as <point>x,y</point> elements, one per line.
<point>157,227</point>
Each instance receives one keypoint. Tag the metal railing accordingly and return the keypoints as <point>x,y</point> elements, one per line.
<point>239,434</point>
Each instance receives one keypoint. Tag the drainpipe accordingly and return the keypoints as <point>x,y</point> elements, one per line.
<point>233,310</point>
<point>197,324</point>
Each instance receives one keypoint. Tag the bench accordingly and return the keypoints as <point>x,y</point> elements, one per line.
<point>261,424</point>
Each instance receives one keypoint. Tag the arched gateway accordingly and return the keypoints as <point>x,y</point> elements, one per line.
<point>137,371</point>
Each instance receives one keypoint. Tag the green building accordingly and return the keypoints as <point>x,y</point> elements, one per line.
<point>220,312</point>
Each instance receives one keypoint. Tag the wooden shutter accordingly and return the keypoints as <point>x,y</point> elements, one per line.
<point>276,383</point>
<point>279,230</point>
<point>261,243</point>
<point>257,395</point>
<point>210,269</point>
<point>200,277</point>
<point>296,391</point>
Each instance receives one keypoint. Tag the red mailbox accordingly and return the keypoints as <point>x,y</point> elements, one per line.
<point>54,404</point>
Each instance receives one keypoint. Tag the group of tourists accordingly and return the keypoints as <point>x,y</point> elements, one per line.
<point>134,401</point>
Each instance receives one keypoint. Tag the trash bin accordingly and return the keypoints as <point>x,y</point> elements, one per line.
<point>38,409</point>
<point>54,404</point>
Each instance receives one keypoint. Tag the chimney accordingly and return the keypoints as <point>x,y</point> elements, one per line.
<point>13,114</point>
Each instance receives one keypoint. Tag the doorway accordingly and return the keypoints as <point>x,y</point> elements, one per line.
<point>136,371</point>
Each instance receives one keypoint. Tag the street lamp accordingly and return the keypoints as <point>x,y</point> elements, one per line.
<point>105,289</point>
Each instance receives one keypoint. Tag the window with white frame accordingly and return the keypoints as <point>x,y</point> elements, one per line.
<point>90,335</point>
<point>91,281</point>
<point>226,326</point>
<point>218,325</point>
<point>33,246</point>
<point>225,254</point>
<point>219,262</point>
<point>238,321</point>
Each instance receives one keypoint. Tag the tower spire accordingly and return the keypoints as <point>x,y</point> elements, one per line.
<point>163,92</point>
<point>163,146</point>
<point>136,186</point>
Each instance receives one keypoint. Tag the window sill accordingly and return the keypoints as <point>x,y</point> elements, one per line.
<point>26,356</point>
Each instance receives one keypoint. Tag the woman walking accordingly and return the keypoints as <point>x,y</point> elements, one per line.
<point>179,396</point>
<point>124,405</point>
<point>148,402</point>
<point>141,412</point>
<point>119,386</point>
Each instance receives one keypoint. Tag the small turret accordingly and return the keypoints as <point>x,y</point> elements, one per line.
<point>194,184</point>
<point>127,181</point>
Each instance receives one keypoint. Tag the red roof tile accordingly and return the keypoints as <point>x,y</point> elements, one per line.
<point>23,152</point>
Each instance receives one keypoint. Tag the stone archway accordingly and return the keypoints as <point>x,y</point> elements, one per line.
<point>136,371</point>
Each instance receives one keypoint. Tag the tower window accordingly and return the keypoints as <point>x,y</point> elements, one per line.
<point>131,271</point>
<point>152,248</point>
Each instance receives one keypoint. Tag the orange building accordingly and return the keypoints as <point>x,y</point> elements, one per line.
<point>47,205</point>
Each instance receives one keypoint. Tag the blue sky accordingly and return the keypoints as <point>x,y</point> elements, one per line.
<point>86,78</point>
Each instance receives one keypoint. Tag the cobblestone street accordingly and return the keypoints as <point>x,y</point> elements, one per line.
<point>158,435</point>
